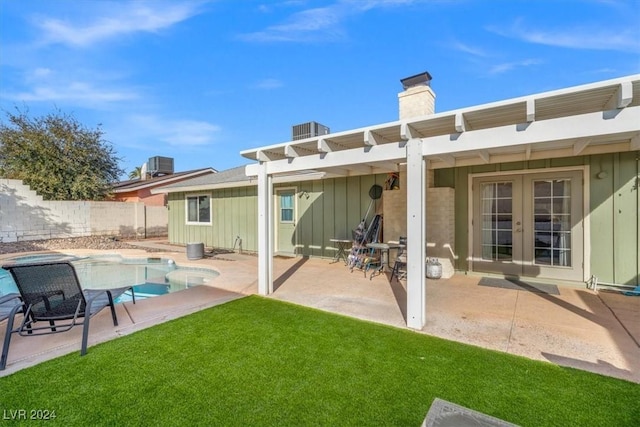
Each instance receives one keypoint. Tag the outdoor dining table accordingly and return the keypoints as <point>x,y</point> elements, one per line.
<point>384,249</point>
<point>341,254</point>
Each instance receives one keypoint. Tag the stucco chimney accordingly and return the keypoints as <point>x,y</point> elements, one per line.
<point>417,99</point>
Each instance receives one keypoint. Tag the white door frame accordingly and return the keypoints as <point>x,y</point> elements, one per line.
<point>586,238</point>
<point>276,215</point>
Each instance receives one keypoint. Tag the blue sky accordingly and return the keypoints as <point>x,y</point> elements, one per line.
<point>200,81</point>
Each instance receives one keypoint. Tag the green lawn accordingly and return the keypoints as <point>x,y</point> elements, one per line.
<point>258,361</point>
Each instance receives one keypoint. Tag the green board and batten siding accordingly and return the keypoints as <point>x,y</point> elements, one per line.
<point>614,204</point>
<point>238,209</point>
<point>326,209</point>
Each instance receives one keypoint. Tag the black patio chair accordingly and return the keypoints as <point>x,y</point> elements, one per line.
<point>51,293</point>
<point>400,265</point>
<point>10,306</point>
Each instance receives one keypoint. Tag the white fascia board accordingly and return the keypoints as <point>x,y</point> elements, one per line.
<point>340,159</point>
<point>572,127</point>
<point>299,177</point>
<point>166,181</point>
<point>204,187</point>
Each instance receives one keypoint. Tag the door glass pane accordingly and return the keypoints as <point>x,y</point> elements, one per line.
<point>497,221</point>
<point>286,207</point>
<point>552,222</point>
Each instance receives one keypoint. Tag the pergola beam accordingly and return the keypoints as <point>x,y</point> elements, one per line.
<point>579,146</point>
<point>531,110</point>
<point>448,159</point>
<point>326,146</point>
<point>590,125</point>
<point>622,97</point>
<point>408,132</point>
<point>461,123</point>
<point>373,138</point>
<point>291,151</point>
<point>267,156</point>
<point>484,155</point>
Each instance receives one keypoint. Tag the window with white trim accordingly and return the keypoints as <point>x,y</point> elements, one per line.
<point>199,209</point>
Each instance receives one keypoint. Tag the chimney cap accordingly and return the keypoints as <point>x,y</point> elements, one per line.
<point>418,79</point>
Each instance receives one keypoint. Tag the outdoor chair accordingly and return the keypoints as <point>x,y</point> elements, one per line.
<point>400,265</point>
<point>51,293</point>
<point>10,306</point>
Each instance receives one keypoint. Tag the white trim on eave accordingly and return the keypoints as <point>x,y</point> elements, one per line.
<point>169,180</point>
<point>250,182</point>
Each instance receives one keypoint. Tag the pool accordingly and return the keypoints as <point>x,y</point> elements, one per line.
<point>149,276</point>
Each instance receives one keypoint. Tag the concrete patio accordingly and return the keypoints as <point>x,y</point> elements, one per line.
<point>577,328</point>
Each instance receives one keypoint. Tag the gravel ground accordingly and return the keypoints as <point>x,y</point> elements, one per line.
<point>92,242</point>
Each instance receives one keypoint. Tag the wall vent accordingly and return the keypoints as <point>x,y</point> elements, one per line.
<point>160,165</point>
<point>308,130</point>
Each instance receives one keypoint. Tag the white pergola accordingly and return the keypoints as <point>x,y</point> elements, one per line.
<point>597,118</point>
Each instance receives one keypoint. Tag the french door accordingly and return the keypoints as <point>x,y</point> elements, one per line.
<point>529,225</point>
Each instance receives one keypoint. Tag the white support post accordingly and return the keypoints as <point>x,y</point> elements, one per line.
<point>416,230</point>
<point>265,231</point>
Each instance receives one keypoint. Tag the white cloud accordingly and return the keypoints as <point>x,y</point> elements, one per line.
<point>583,37</point>
<point>181,132</point>
<point>474,51</point>
<point>126,18</point>
<point>320,24</point>
<point>308,25</point>
<point>77,92</point>
<point>508,66</point>
<point>268,84</point>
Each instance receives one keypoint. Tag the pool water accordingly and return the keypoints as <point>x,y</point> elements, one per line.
<point>149,276</point>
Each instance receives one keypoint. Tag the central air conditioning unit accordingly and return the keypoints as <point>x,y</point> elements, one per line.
<point>160,165</point>
<point>308,130</point>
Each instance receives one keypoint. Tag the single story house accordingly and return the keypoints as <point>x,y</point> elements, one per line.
<point>543,186</point>
<point>139,190</point>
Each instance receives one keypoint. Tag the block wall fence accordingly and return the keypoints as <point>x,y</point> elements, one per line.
<point>24,215</point>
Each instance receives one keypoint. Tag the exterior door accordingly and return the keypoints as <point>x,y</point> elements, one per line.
<point>286,221</point>
<point>529,225</point>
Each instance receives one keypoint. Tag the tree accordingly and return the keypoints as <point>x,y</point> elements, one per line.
<point>57,156</point>
<point>136,173</point>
